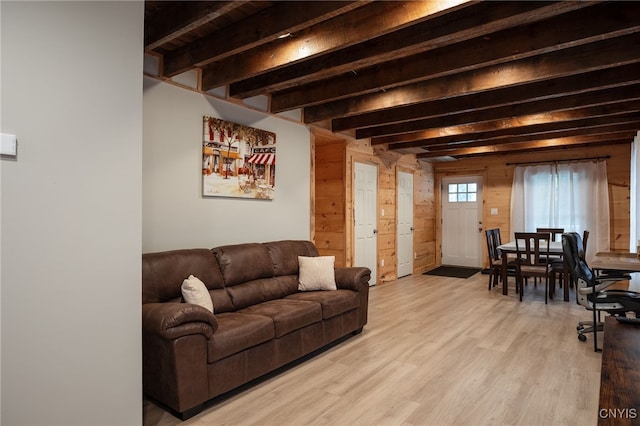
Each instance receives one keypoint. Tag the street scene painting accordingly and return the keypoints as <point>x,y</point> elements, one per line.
<point>237,160</point>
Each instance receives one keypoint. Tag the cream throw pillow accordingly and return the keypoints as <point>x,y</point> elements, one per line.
<point>316,273</point>
<point>194,291</point>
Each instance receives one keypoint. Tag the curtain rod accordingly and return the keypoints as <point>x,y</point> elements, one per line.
<point>606,157</point>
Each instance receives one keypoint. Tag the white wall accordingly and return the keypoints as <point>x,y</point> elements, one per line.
<point>176,215</point>
<point>71,213</point>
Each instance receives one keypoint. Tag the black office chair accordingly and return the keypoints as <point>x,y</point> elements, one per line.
<point>590,289</point>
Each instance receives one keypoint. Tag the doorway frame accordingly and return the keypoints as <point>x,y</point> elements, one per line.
<point>439,176</point>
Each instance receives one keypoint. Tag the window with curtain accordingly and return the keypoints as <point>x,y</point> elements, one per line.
<point>573,196</point>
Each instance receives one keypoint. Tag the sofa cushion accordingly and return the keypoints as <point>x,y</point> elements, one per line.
<point>333,302</point>
<point>317,273</point>
<point>240,263</point>
<point>284,255</point>
<point>237,332</point>
<point>194,291</point>
<point>287,314</point>
<point>164,272</point>
<point>262,290</point>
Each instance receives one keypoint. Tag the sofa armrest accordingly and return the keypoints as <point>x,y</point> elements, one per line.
<point>356,278</point>
<point>173,320</point>
<point>352,278</point>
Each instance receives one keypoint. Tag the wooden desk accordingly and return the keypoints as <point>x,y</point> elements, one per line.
<point>620,375</point>
<point>616,261</point>
<point>510,248</point>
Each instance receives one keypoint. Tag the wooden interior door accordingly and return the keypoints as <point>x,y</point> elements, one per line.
<point>405,223</point>
<point>365,217</point>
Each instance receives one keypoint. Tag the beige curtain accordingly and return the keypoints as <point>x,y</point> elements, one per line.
<point>573,196</point>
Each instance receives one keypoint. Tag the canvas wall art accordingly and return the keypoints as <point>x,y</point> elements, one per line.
<point>237,160</point>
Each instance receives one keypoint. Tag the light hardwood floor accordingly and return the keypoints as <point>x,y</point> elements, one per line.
<point>436,351</point>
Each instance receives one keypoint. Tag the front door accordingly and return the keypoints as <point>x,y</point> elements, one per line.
<point>462,221</point>
<point>405,224</point>
<point>365,206</point>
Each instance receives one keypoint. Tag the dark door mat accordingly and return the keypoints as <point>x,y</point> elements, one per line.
<point>453,271</point>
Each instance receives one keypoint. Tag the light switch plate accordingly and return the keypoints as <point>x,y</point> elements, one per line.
<point>494,212</point>
<point>9,146</point>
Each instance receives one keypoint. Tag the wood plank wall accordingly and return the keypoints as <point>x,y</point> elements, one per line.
<point>332,203</point>
<point>332,206</point>
<point>328,207</point>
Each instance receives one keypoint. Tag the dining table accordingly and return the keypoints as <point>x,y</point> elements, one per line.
<point>555,249</point>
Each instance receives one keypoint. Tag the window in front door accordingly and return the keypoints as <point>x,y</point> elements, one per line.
<point>463,192</point>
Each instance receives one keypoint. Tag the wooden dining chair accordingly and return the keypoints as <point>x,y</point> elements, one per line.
<point>494,240</point>
<point>556,233</point>
<point>556,261</point>
<point>533,259</point>
<point>495,260</point>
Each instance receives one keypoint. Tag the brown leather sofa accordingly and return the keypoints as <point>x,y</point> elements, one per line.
<point>261,321</point>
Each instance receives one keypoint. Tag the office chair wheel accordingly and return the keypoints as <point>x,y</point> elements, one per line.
<point>580,327</point>
<point>582,337</point>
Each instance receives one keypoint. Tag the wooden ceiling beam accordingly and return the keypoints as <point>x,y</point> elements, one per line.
<point>598,55</point>
<point>590,129</point>
<point>567,30</point>
<point>366,22</point>
<point>168,20</point>
<point>474,20</point>
<point>608,78</point>
<point>267,26</point>
<point>524,149</point>
<point>568,142</point>
<point>519,126</point>
<point>570,114</point>
<point>627,95</point>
